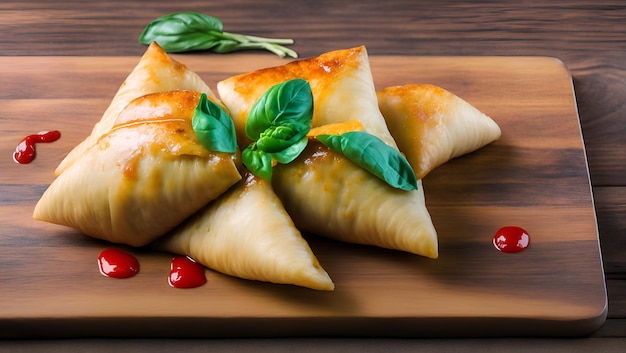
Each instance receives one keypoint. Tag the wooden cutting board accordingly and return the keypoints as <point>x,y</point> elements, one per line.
<point>535,177</point>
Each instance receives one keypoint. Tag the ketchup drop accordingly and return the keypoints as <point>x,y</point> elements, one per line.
<point>511,239</point>
<point>25,150</point>
<point>117,263</point>
<point>186,273</point>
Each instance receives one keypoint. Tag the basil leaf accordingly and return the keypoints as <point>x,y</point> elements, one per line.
<point>373,155</point>
<point>257,162</point>
<point>189,31</point>
<point>214,127</point>
<point>287,104</point>
<point>226,46</point>
<point>277,138</point>
<point>183,31</point>
<point>292,152</point>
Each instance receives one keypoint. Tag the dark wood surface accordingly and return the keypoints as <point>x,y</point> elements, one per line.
<point>589,37</point>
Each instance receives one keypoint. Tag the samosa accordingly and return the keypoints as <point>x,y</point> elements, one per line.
<point>432,125</point>
<point>143,177</point>
<point>247,233</point>
<point>323,192</point>
<point>155,72</point>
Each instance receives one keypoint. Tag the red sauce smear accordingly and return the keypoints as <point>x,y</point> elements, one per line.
<point>117,263</point>
<point>25,150</point>
<point>511,239</point>
<point>186,273</point>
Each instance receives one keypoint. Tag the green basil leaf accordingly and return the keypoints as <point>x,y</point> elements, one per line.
<point>373,155</point>
<point>214,127</point>
<point>187,42</point>
<point>226,46</point>
<point>289,103</point>
<point>184,31</point>
<point>258,121</point>
<point>277,138</point>
<point>292,152</point>
<point>257,162</point>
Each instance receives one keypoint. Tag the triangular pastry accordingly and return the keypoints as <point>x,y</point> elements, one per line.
<point>143,177</point>
<point>247,233</point>
<point>432,125</point>
<point>323,192</point>
<point>155,72</point>
<point>328,195</point>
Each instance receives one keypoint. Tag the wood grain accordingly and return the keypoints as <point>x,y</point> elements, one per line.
<point>534,176</point>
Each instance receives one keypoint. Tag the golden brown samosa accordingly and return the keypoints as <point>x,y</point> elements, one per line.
<point>432,125</point>
<point>143,177</point>
<point>327,194</point>
<point>247,233</point>
<point>323,192</point>
<point>155,72</point>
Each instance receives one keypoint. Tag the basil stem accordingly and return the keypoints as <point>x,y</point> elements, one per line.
<point>191,31</point>
<point>373,155</point>
<point>278,123</point>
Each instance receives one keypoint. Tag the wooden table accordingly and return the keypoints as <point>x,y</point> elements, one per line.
<point>589,37</point>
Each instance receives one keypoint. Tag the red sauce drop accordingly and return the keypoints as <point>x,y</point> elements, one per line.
<point>117,263</point>
<point>511,239</point>
<point>25,150</point>
<point>186,273</point>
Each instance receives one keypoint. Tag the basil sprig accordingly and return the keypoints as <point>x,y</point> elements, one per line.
<point>278,123</point>
<point>373,155</point>
<point>190,31</point>
<point>214,127</point>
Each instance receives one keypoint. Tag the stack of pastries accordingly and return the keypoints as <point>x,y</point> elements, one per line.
<point>142,177</point>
